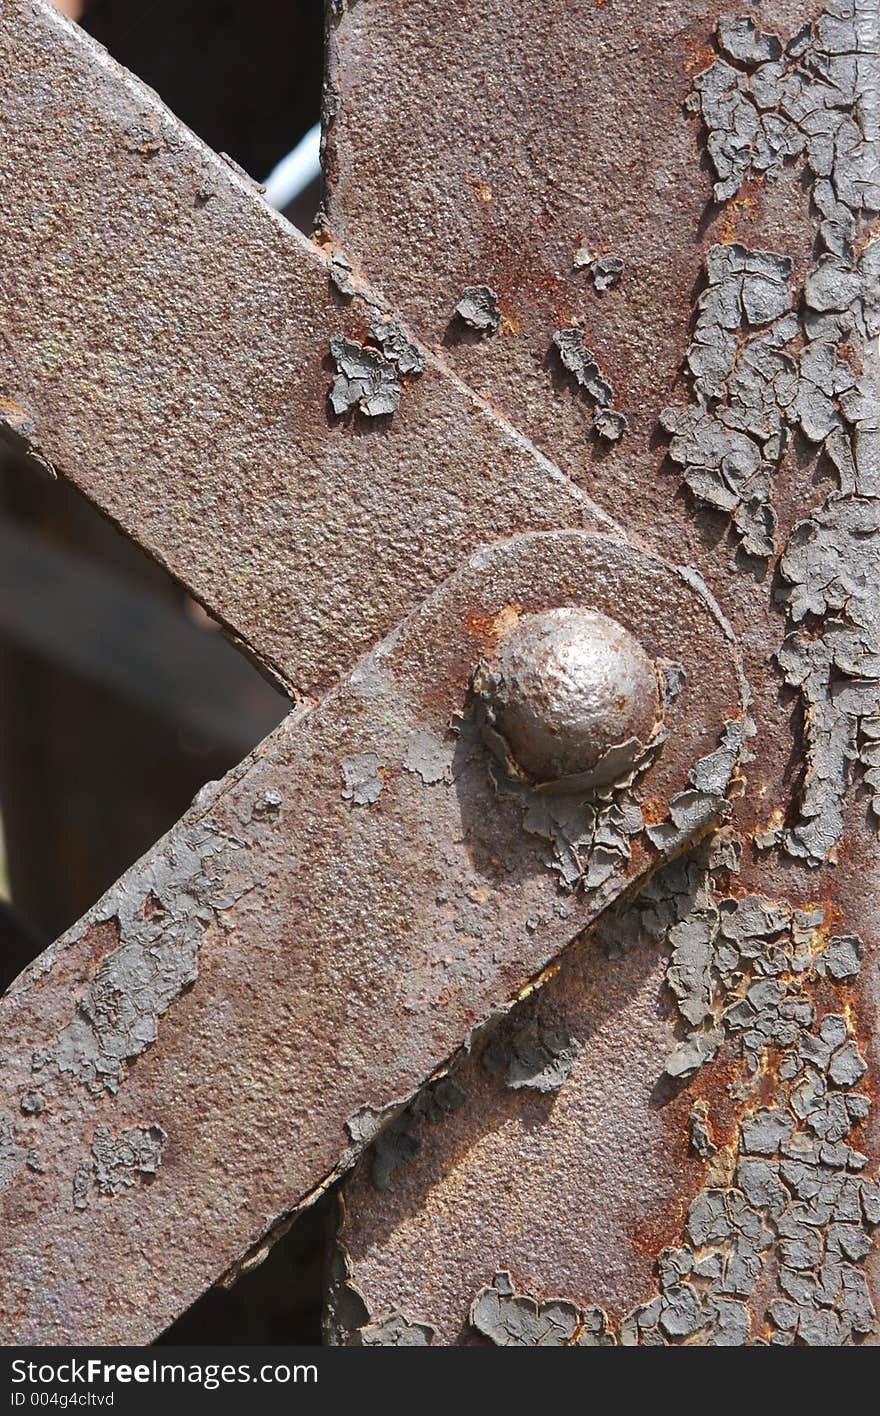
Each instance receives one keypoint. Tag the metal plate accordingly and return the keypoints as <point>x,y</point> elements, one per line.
<point>550,138</point>
<point>319,933</point>
<point>165,343</point>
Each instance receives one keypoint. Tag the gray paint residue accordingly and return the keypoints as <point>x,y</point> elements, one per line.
<point>348,1321</point>
<point>732,437</point>
<point>479,308</point>
<point>511,1319</point>
<point>361,783</point>
<point>400,1141</point>
<point>605,271</point>
<point>703,802</point>
<point>365,379</point>
<point>12,1156</point>
<point>126,1158</point>
<point>429,757</point>
<point>790,1197</point>
<point>540,1059</point>
<point>583,366</point>
<point>811,101</point>
<point>160,933</point>
<point>396,1329</point>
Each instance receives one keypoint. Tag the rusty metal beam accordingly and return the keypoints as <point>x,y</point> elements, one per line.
<point>535,152</point>
<point>200,423</point>
<point>222,1034</point>
<point>165,346</point>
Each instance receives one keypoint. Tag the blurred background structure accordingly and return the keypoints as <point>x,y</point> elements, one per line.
<point>119,697</point>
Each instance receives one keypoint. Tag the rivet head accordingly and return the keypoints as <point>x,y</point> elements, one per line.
<point>570,688</point>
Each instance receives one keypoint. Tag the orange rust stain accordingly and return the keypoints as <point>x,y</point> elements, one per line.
<point>700,54</point>
<point>713,1086</point>
<point>740,207</point>
<point>13,413</point>
<point>653,811</point>
<point>482,190</point>
<point>510,326</point>
<point>488,629</point>
<point>846,354</point>
<point>654,1231</point>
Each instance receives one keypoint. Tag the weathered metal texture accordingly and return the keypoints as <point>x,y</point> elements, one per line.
<point>507,148</point>
<point>165,345</point>
<point>320,931</point>
<point>575,1191</point>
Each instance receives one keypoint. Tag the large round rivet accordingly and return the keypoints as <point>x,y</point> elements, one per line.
<point>570,685</point>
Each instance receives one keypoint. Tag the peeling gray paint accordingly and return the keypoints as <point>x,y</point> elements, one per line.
<point>388,335</point>
<point>582,364</point>
<point>365,379</point>
<point>830,567</point>
<point>396,1329</point>
<point>345,1307</point>
<point>609,424</point>
<point>429,757</point>
<point>341,274</point>
<point>160,933</point>
<point>12,1156</point>
<point>511,1319</point>
<point>362,783</point>
<point>732,437</point>
<point>400,1141</point>
<point>700,1131</point>
<point>347,1318</point>
<point>606,271</point>
<point>126,1158</point>
<point>540,1059</point>
<point>703,803</point>
<point>791,1194</point>
<point>765,103</point>
<point>81,1185</point>
<point>479,308</point>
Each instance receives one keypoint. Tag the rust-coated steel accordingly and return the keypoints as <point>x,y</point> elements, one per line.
<point>509,147</point>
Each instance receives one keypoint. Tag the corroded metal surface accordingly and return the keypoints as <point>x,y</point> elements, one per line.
<point>249,408</point>
<point>737,328</point>
<point>321,931</point>
<point>166,341</point>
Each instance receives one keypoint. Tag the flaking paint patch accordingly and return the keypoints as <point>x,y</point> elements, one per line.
<point>160,933</point>
<point>365,379</point>
<point>126,1158</point>
<point>700,1130</point>
<point>584,368</point>
<point>528,1056</point>
<point>347,1320</point>
<point>430,757</point>
<point>732,437</point>
<point>479,308</point>
<point>812,101</point>
<point>606,271</point>
<point>12,1156</point>
<point>703,803</point>
<point>401,1140</point>
<point>510,1319</point>
<point>790,1196</point>
<point>361,780</point>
